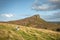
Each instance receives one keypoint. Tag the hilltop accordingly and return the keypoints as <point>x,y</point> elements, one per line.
<point>8,32</point>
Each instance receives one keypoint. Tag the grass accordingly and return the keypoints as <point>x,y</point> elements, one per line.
<point>8,32</point>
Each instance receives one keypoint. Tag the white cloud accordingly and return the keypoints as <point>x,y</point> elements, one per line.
<point>54,0</point>
<point>7,15</point>
<point>44,7</point>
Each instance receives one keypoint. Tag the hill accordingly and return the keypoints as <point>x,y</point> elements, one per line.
<point>37,22</point>
<point>30,21</point>
<point>9,32</point>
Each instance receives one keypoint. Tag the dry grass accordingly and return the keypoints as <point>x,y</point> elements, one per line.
<point>8,32</point>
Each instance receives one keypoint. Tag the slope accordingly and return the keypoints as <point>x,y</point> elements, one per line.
<point>8,32</point>
<point>34,21</point>
<point>37,22</point>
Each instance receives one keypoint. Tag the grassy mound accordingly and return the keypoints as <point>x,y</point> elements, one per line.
<point>9,32</point>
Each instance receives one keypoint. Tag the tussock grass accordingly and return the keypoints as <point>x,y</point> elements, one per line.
<point>8,32</point>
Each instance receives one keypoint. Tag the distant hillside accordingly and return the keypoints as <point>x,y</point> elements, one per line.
<point>9,32</point>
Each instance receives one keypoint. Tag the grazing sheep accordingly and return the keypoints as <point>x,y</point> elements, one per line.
<point>17,28</point>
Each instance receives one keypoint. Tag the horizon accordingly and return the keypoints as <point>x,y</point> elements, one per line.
<point>20,9</point>
<point>29,17</point>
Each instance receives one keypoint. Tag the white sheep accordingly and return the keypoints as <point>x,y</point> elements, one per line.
<point>17,28</point>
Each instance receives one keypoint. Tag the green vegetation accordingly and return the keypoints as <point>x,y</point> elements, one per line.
<point>8,32</point>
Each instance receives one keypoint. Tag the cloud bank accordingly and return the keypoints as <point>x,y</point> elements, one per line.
<point>46,5</point>
<point>55,17</point>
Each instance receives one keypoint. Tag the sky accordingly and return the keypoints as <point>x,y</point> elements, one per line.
<point>49,10</point>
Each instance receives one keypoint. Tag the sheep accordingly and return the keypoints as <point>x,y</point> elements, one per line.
<point>17,28</point>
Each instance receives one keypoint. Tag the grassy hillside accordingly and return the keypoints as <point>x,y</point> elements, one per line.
<point>9,32</point>
<point>37,22</point>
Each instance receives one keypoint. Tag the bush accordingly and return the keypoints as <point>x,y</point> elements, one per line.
<point>58,29</point>
<point>45,28</point>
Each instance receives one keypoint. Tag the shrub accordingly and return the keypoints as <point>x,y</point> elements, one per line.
<point>58,29</point>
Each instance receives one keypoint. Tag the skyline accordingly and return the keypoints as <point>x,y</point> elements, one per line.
<point>19,9</point>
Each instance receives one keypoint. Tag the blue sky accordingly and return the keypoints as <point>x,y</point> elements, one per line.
<point>19,9</point>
